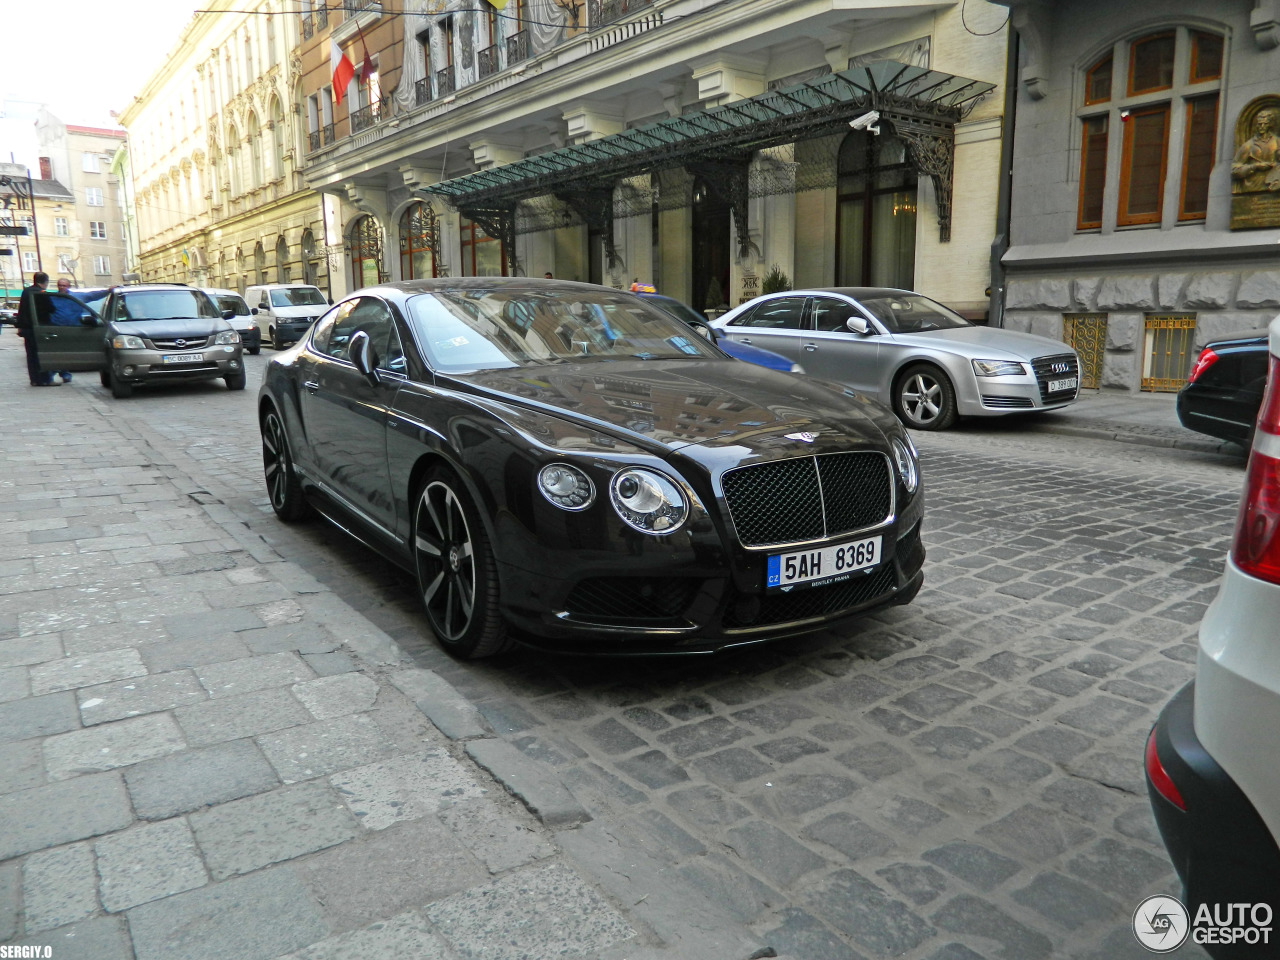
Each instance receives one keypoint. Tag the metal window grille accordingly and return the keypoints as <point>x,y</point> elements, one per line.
<point>1170,341</point>
<point>488,61</point>
<point>1087,334</point>
<point>308,28</point>
<point>518,47</point>
<point>422,91</point>
<point>313,140</point>
<point>444,82</point>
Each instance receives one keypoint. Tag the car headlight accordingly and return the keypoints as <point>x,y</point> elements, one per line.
<point>127,343</point>
<point>227,336</point>
<point>908,466</point>
<point>998,368</point>
<point>565,486</point>
<point>648,501</point>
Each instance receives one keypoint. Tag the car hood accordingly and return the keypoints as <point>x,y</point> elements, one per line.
<point>985,343</point>
<point>191,327</point>
<point>686,404</point>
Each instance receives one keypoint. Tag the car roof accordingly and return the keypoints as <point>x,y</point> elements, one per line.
<point>858,293</point>
<point>477,283</point>
<point>148,287</point>
<point>221,291</point>
<point>278,286</point>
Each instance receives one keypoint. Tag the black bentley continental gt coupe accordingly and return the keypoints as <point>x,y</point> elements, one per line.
<point>565,466</point>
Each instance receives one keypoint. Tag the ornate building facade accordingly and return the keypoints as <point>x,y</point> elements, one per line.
<point>215,150</point>
<point>1145,203</point>
<point>687,144</point>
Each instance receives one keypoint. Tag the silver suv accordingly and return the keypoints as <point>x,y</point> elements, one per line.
<point>162,333</point>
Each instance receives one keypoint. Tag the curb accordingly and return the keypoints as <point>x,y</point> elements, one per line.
<point>1107,432</point>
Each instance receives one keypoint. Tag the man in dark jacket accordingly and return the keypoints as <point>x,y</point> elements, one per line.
<point>34,308</point>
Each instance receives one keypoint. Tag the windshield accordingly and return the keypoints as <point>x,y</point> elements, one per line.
<point>234,304</point>
<point>298,297</point>
<point>912,313</point>
<point>490,329</point>
<point>165,305</point>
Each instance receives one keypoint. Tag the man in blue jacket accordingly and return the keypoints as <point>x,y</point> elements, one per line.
<point>66,313</point>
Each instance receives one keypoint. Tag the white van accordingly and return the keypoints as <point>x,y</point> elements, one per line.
<point>284,311</point>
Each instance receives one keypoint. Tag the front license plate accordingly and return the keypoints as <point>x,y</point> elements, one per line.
<point>183,357</point>
<point>1056,385</point>
<point>811,568</point>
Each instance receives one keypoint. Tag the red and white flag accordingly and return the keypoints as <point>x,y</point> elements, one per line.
<point>343,71</point>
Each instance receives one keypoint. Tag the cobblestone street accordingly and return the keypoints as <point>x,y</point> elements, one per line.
<point>958,778</point>
<point>966,769</point>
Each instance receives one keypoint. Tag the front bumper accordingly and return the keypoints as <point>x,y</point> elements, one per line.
<point>148,366</point>
<point>1219,845</point>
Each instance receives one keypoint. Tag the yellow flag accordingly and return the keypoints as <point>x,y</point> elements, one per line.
<point>500,4</point>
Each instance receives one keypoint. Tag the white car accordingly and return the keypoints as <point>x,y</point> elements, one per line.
<point>909,352</point>
<point>1213,757</point>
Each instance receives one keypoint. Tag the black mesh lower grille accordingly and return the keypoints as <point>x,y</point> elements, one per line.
<point>632,598</point>
<point>782,501</point>
<point>818,602</point>
<point>910,552</point>
<point>1067,366</point>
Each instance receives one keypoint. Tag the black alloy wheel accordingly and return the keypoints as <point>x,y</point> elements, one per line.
<point>283,485</point>
<point>924,398</point>
<point>457,576</point>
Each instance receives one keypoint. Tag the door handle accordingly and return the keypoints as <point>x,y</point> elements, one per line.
<point>746,340</point>
<point>311,386</point>
<point>811,347</point>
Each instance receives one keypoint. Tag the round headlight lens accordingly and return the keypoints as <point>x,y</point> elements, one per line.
<point>565,486</point>
<point>648,501</point>
<point>908,468</point>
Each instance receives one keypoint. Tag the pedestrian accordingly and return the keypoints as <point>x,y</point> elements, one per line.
<point>34,308</point>
<point>547,276</point>
<point>66,313</point>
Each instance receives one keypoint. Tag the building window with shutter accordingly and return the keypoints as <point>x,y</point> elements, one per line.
<point>97,229</point>
<point>1151,101</point>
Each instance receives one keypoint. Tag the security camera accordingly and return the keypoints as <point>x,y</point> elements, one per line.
<point>868,121</point>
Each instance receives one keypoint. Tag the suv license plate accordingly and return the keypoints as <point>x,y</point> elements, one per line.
<point>810,568</point>
<point>183,357</point>
<point>1056,385</point>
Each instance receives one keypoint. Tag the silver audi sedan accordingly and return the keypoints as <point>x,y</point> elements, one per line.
<point>906,350</point>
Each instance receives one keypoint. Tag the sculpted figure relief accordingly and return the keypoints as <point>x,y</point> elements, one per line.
<point>1254,166</point>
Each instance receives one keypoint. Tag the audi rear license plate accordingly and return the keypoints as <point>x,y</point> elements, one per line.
<point>1068,384</point>
<point>812,568</point>
<point>183,357</point>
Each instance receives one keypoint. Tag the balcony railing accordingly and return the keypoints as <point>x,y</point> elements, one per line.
<point>322,17</point>
<point>489,61</point>
<point>366,116</point>
<point>422,91</point>
<point>607,11</point>
<point>352,7</point>
<point>445,85</point>
<point>328,133</point>
<point>517,48</point>
<point>308,28</point>
<point>313,141</point>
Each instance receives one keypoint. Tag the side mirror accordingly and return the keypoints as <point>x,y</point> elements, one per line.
<point>857,325</point>
<point>254,311</point>
<point>88,320</point>
<point>228,314</point>
<point>361,353</point>
<point>705,331</point>
<point>330,301</point>
<point>263,306</point>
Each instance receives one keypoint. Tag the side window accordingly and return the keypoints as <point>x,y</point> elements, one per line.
<point>368,315</point>
<point>744,318</point>
<point>322,339</point>
<point>830,314</point>
<point>392,358</point>
<point>783,313</point>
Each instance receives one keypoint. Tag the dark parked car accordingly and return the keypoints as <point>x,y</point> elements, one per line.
<point>1224,389</point>
<point>565,465</point>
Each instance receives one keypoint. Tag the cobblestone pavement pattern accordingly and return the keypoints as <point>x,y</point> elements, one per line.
<point>959,778</point>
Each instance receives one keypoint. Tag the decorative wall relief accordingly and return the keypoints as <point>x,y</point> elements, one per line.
<point>1255,165</point>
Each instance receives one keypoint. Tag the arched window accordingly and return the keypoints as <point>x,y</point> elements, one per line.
<point>309,264</point>
<point>876,215</point>
<point>419,239</point>
<point>233,161</point>
<point>1134,96</point>
<point>366,252</point>
<point>282,261</point>
<point>259,264</point>
<point>278,132</point>
<point>255,152</point>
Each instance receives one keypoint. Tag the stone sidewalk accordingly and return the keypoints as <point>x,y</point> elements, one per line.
<point>207,754</point>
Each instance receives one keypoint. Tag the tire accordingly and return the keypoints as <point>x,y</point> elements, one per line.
<point>119,389</point>
<point>276,342</point>
<point>283,486</point>
<point>457,575</point>
<point>923,398</point>
<point>236,381</point>
<point>104,377</point>
<point>254,351</point>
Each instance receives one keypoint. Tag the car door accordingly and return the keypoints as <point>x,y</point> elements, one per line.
<point>69,336</point>
<point>345,413</point>
<point>773,324</point>
<point>830,350</point>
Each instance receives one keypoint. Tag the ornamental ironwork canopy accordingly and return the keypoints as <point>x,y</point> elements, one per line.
<point>921,105</point>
